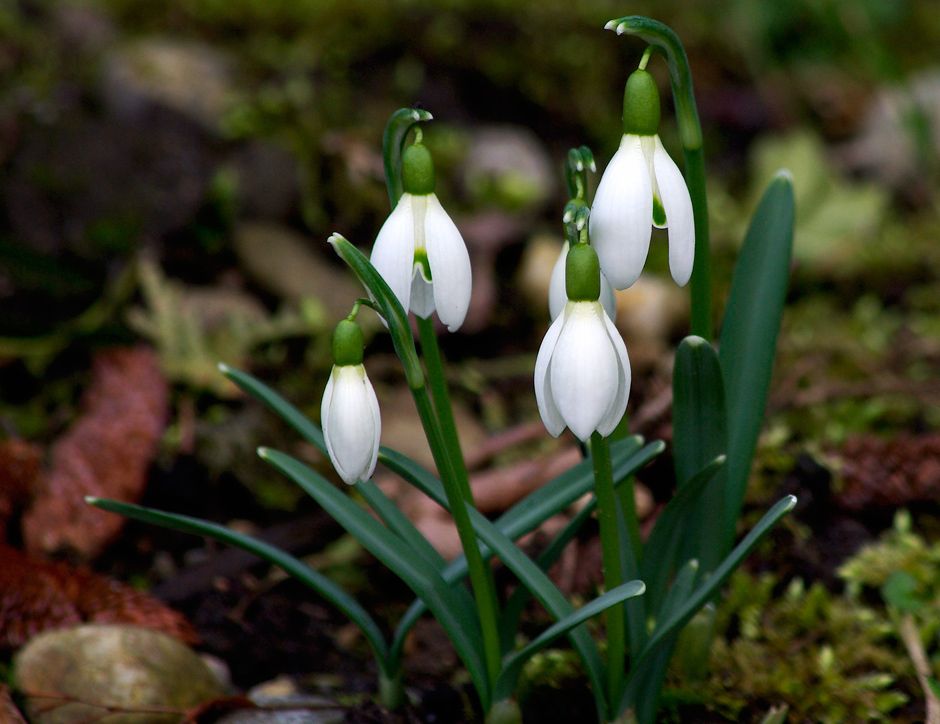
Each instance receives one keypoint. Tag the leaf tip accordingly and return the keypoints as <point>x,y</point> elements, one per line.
<point>91,500</point>
<point>784,174</point>
<point>263,452</point>
<point>791,502</point>
<point>224,368</point>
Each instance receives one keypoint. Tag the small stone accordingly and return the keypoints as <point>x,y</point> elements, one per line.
<point>649,314</point>
<point>126,667</point>
<point>288,265</point>
<point>191,78</point>
<point>507,166</point>
<point>535,271</point>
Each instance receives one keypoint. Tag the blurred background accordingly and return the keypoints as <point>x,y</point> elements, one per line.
<point>170,171</point>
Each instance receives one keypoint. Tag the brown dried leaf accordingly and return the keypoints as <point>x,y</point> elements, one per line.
<point>36,596</point>
<point>9,713</point>
<point>105,453</point>
<point>879,472</point>
<point>19,471</point>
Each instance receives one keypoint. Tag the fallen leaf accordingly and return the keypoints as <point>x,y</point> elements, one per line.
<point>105,453</point>
<point>37,596</point>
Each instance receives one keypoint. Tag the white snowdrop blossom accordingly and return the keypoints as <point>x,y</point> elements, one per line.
<point>349,414</point>
<point>640,177</point>
<point>558,297</point>
<point>419,250</point>
<point>582,372</point>
<point>642,187</point>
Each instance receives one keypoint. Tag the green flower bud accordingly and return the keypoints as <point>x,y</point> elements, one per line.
<point>417,170</point>
<point>641,105</point>
<point>348,344</point>
<point>582,274</point>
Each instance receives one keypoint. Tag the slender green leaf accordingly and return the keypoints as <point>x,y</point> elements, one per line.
<point>451,606</point>
<point>400,524</point>
<point>660,554</point>
<point>546,593</point>
<point>383,507</point>
<point>515,661</point>
<point>699,434</point>
<point>512,611</point>
<point>749,335</point>
<point>707,589</point>
<point>277,404</point>
<point>395,317</point>
<point>522,518</point>
<point>294,567</point>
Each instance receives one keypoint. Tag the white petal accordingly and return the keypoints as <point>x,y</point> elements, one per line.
<point>618,405</point>
<point>679,218</point>
<point>351,423</point>
<point>394,250</point>
<point>422,294</point>
<point>450,265</point>
<point>608,299</point>
<point>376,426</point>
<point>325,407</point>
<point>622,214</point>
<point>557,293</point>
<point>543,392</point>
<point>584,369</point>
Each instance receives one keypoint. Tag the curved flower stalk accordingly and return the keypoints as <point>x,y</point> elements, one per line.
<point>349,412</point>
<point>419,250</point>
<point>642,187</point>
<point>582,372</point>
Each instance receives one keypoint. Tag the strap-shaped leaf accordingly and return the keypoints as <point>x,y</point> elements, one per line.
<point>749,334</point>
<point>277,404</point>
<point>522,518</point>
<point>451,606</point>
<point>395,317</point>
<point>706,590</point>
<point>400,524</point>
<point>660,554</point>
<point>515,661</point>
<point>294,567</point>
<point>699,435</point>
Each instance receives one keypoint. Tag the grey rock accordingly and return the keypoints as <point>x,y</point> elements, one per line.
<point>288,265</point>
<point>508,166</point>
<point>193,79</point>
<point>127,667</point>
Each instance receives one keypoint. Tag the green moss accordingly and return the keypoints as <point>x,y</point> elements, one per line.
<point>823,655</point>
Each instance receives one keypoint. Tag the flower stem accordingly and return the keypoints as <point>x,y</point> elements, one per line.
<point>613,569</point>
<point>663,39</point>
<point>442,406</point>
<point>438,423</point>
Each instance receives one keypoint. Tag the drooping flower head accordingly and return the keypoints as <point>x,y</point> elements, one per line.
<point>582,372</point>
<point>349,412</point>
<point>641,187</point>
<point>419,250</point>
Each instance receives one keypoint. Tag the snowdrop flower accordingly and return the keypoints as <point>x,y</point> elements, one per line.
<point>582,372</point>
<point>641,186</point>
<point>419,251</point>
<point>558,297</point>
<point>349,412</point>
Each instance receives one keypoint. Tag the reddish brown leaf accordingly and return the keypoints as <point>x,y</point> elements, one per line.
<point>889,472</point>
<point>19,470</point>
<point>105,453</point>
<point>37,595</point>
<point>9,713</point>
